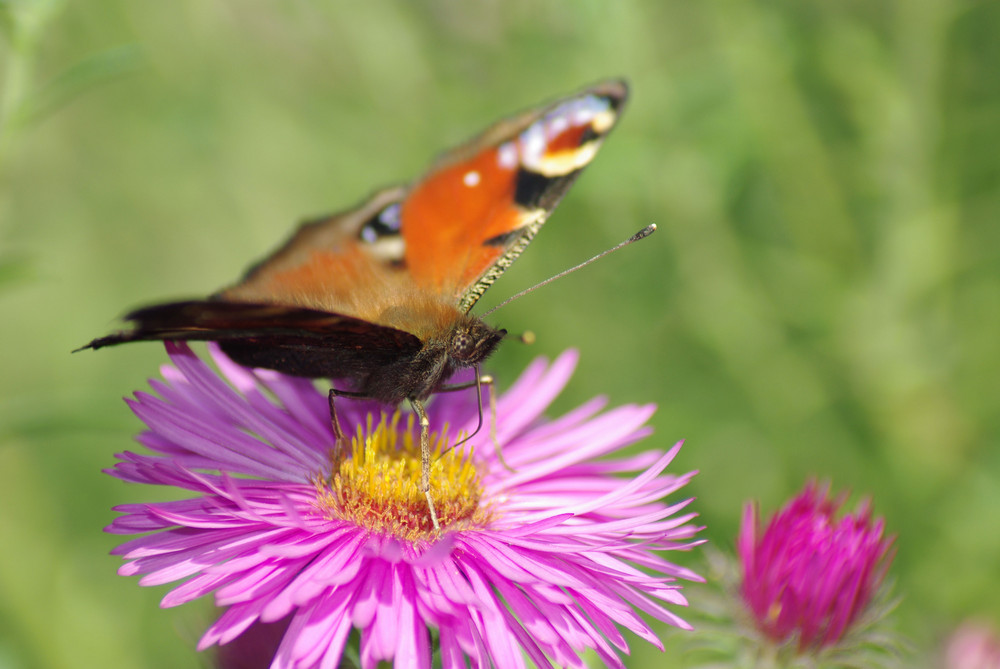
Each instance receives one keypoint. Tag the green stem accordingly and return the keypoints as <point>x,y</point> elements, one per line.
<point>15,86</point>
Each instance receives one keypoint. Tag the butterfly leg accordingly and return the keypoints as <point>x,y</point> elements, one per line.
<point>483,380</point>
<point>493,423</point>
<point>425,458</point>
<point>338,433</point>
<point>339,439</point>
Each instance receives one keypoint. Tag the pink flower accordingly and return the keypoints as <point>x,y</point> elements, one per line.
<point>254,648</point>
<point>545,560</point>
<point>809,577</point>
<point>973,646</point>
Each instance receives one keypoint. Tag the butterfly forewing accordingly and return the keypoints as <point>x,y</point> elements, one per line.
<point>467,220</point>
<point>455,231</point>
<point>298,341</point>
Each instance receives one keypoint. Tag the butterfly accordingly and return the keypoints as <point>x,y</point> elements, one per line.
<point>380,295</point>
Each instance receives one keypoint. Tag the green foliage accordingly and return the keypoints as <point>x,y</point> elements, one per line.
<point>821,297</point>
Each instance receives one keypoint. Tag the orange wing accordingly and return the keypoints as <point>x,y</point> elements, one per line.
<point>481,204</point>
<point>415,258</point>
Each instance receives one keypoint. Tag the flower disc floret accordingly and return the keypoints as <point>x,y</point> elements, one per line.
<point>378,487</point>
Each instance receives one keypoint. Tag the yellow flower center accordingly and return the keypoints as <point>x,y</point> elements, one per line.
<point>378,487</point>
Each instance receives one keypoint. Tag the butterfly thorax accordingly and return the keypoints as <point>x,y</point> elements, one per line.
<point>464,343</point>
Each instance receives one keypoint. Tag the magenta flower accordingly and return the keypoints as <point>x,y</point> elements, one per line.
<point>809,577</point>
<point>545,561</point>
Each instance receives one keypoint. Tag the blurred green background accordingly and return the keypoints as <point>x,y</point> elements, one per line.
<point>822,298</point>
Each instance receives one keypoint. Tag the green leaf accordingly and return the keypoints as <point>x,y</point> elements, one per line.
<point>88,73</point>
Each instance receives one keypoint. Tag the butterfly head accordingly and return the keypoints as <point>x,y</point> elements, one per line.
<point>471,341</point>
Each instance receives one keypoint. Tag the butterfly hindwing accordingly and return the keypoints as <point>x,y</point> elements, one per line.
<point>350,263</point>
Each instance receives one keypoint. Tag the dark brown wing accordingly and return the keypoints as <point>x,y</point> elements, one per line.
<point>293,340</point>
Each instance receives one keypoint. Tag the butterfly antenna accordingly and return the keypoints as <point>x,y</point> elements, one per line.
<point>642,234</point>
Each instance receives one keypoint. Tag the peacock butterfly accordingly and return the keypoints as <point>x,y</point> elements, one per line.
<point>380,295</point>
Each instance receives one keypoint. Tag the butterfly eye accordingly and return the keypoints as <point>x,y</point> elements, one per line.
<point>462,346</point>
<point>382,234</point>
